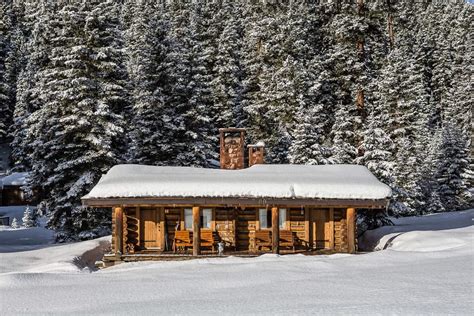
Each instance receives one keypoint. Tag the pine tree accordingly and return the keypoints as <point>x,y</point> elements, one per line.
<point>15,224</point>
<point>29,218</point>
<point>78,129</point>
<point>348,54</point>
<point>309,145</point>
<point>200,130</point>
<point>177,71</point>
<point>7,68</point>
<point>452,160</point>
<point>34,42</point>
<point>254,50</point>
<point>151,132</point>
<point>228,72</point>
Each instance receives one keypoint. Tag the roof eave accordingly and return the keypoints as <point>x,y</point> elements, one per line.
<point>233,201</point>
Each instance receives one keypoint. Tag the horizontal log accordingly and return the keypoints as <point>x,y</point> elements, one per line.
<point>232,202</point>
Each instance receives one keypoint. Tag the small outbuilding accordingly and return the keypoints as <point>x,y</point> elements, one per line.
<point>11,192</point>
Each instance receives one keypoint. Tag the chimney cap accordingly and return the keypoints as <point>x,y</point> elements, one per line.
<point>258,144</point>
<point>231,129</point>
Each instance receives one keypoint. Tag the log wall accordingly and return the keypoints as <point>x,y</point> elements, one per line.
<point>340,230</point>
<point>225,226</point>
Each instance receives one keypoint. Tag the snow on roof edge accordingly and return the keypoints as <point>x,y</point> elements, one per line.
<point>14,179</point>
<point>260,181</point>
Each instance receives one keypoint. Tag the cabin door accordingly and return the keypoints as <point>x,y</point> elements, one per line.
<point>318,218</point>
<point>246,219</point>
<point>150,228</point>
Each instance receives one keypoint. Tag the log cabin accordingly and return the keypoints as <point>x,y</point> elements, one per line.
<point>186,211</point>
<point>12,190</point>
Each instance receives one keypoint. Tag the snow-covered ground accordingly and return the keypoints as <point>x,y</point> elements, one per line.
<point>426,268</point>
<point>14,240</point>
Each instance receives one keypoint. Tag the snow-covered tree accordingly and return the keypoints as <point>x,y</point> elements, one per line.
<point>228,73</point>
<point>15,224</point>
<point>200,130</point>
<point>151,127</point>
<point>36,26</point>
<point>452,161</point>
<point>29,218</point>
<point>7,67</point>
<point>77,132</point>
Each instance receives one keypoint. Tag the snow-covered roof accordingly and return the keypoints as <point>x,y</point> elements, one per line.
<point>258,181</point>
<point>16,178</point>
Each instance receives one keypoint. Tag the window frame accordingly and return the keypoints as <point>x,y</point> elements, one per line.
<point>282,224</point>
<point>268,218</point>
<point>210,221</point>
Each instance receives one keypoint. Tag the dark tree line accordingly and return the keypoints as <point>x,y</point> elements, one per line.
<point>85,85</point>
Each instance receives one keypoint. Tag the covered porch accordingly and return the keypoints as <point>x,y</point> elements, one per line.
<point>167,232</point>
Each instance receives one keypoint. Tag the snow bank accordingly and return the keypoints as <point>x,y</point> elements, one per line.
<point>57,258</point>
<point>421,233</point>
<point>258,181</point>
<point>16,178</point>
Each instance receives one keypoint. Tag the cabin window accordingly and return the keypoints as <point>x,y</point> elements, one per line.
<point>265,218</point>
<point>205,218</point>
<point>188,218</point>
<point>282,218</point>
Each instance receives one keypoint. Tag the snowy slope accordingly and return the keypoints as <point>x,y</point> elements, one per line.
<point>52,258</point>
<point>411,277</point>
<point>427,233</point>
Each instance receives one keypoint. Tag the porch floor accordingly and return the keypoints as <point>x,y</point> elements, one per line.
<point>169,255</point>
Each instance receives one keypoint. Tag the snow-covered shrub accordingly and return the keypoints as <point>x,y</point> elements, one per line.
<point>15,224</point>
<point>29,218</point>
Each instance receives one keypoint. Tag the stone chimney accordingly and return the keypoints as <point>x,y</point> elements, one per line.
<point>232,147</point>
<point>256,154</point>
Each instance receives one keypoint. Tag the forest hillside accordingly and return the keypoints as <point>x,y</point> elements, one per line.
<point>85,85</point>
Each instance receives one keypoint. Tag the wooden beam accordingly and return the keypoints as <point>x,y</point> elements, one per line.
<point>275,230</point>
<point>163,235</point>
<point>196,231</point>
<point>182,225</point>
<point>138,214</point>
<point>234,202</point>
<point>331,228</point>
<point>118,230</point>
<point>234,227</point>
<point>307,227</point>
<point>350,217</point>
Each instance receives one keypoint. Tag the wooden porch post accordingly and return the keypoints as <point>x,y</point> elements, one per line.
<point>350,217</point>
<point>162,230</point>
<point>119,230</point>
<point>331,229</point>
<point>196,232</point>
<point>275,230</point>
<point>307,229</point>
